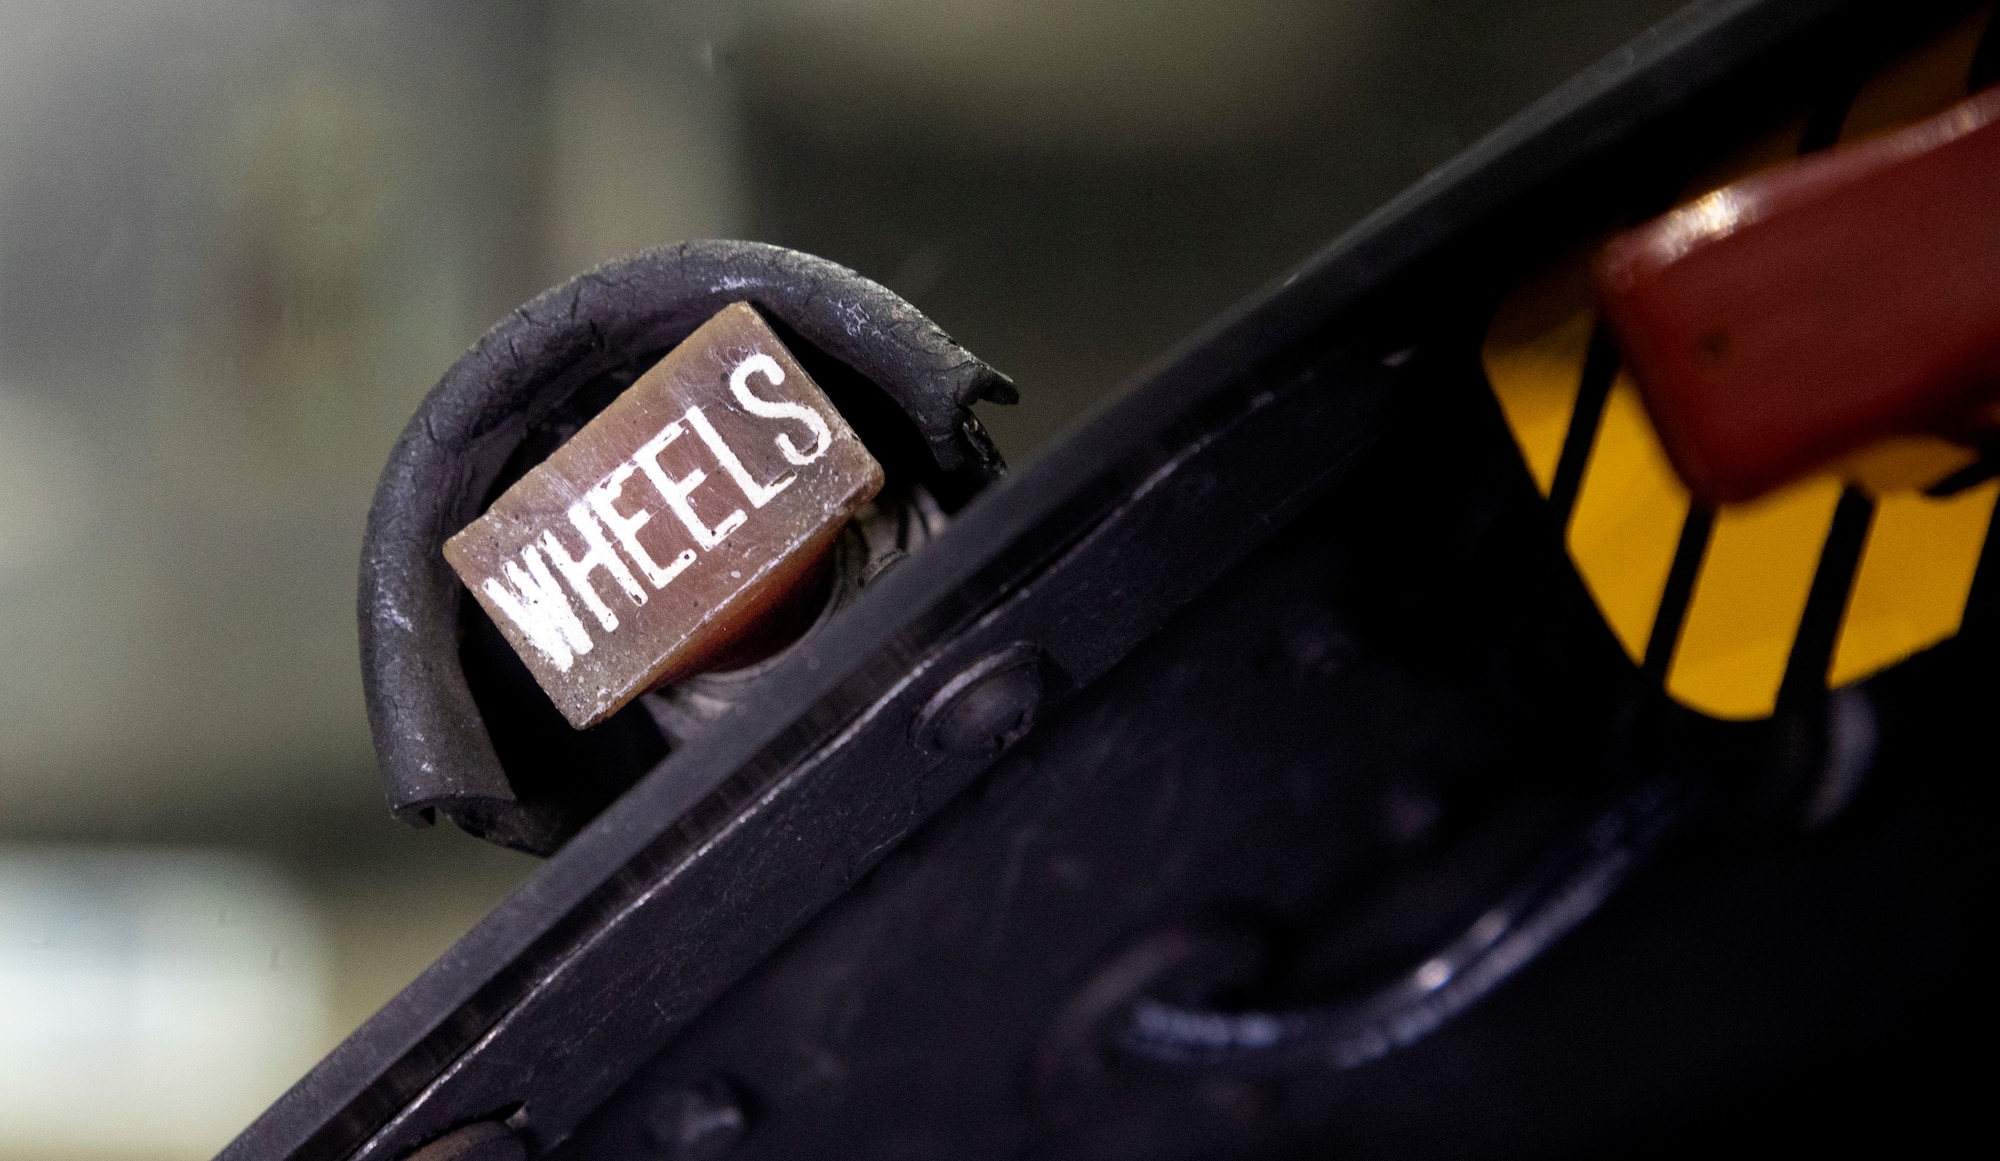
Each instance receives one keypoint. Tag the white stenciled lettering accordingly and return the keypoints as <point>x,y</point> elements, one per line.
<point>537,607</point>
<point>626,528</point>
<point>765,365</point>
<point>675,492</point>
<point>598,554</point>
<point>758,494</point>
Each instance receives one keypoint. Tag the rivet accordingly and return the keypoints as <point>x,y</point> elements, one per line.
<point>987,707</point>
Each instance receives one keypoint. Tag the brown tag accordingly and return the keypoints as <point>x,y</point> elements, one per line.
<point>663,533</point>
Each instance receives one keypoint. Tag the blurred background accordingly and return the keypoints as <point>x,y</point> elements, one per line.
<point>240,238</point>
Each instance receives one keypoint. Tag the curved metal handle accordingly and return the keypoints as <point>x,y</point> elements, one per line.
<point>1549,902</point>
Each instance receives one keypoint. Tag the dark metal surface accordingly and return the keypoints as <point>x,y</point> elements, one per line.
<point>1292,678</point>
<point>1312,781</point>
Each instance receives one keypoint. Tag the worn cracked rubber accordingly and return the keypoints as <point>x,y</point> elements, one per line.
<point>433,748</point>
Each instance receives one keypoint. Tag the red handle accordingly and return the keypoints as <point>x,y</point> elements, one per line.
<point>1784,321</point>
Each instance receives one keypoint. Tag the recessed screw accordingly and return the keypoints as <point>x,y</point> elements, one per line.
<point>986,708</point>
